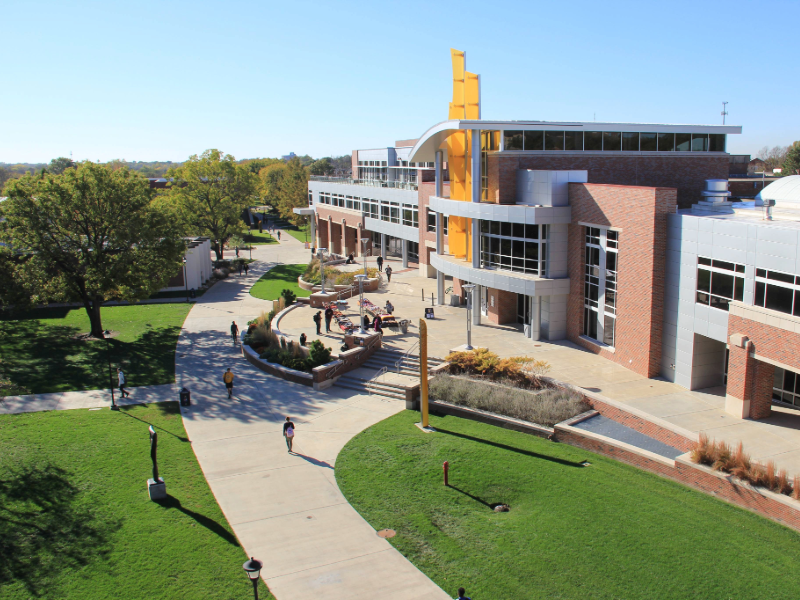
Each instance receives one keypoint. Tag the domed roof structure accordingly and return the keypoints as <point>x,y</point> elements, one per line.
<point>785,191</point>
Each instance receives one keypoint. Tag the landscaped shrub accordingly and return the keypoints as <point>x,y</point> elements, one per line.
<point>220,273</point>
<point>289,296</point>
<point>520,370</point>
<point>545,408</point>
<point>334,276</point>
<point>718,456</point>
<point>318,354</point>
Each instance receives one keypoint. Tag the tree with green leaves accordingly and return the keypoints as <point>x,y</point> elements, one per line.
<point>58,165</point>
<point>91,234</point>
<point>270,179</point>
<point>322,167</point>
<point>256,164</point>
<point>293,191</point>
<point>211,191</point>
<point>791,164</point>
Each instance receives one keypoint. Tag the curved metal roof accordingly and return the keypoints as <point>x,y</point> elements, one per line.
<point>785,190</point>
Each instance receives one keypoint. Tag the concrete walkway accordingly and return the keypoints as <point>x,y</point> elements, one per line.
<point>86,399</point>
<point>286,509</point>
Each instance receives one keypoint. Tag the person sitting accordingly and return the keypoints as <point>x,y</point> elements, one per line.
<point>388,308</point>
<point>303,339</point>
<point>350,259</point>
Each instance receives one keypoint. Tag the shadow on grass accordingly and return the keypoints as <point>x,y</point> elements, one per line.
<point>452,487</point>
<point>561,461</point>
<point>124,410</point>
<point>45,529</point>
<point>210,524</point>
<point>48,358</point>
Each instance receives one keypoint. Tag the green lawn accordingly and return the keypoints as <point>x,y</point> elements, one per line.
<point>274,281</point>
<point>602,531</point>
<point>76,521</point>
<point>40,352</point>
<point>302,234</point>
<point>256,238</point>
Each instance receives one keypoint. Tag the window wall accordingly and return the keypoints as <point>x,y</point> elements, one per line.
<point>778,291</point>
<point>786,387</point>
<point>432,222</point>
<point>601,252</point>
<point>719,282</point>
<point>613,141</point>
<point>514,247</point>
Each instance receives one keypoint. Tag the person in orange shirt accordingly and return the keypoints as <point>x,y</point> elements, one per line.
<point>228,379</point>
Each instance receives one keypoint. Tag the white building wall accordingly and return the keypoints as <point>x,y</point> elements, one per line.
<point>763,245</point>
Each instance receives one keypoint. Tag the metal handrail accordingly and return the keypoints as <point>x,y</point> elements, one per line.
<point>381,372</point>
<point>399,364</point>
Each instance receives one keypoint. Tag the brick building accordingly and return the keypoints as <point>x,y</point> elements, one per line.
<point>622,238</point>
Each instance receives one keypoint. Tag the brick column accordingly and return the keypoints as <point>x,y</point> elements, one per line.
<point>344,238</point>
<point>749,389</point>
<point>330,235</point>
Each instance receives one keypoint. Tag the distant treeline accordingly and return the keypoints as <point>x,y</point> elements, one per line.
<point>156,168</point>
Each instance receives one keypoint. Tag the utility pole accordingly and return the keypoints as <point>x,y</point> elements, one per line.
<point>724,111</point>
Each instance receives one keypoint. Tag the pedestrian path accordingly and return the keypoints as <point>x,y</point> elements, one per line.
<point>285,509</point>
<point>87,399</point>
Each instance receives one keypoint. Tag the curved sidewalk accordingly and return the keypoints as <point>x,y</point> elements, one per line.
<point>286,509</point>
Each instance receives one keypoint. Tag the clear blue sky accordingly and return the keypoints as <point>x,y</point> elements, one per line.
<point>163,80</point>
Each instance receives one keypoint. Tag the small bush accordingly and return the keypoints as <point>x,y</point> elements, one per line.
<point>796,487</point>
<point>545,408</point>
<point>318,354</point>
<point>520,370</point>
<point>288,296</point>
<point>220,273</point>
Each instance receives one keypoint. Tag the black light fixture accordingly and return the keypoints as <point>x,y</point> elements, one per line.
<point>253,569</point>
<point>107,338</point>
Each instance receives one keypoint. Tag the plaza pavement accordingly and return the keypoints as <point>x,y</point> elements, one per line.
<point>285,509</point>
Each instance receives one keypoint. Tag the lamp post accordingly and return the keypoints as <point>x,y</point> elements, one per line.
<point>185,281</point>
<point>321,255</point>
<point>253,569</point>
<point>107,338</point>
<point>361,279</point>
<point>469,289</point>
<point>364,253</point>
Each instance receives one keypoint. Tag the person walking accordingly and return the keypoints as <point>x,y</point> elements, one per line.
<point>234,332</point>
<point>379,260</point>
<point>318,321</point>
<point>288,432</point>
<point>237,251</point>
<point>228,379</point>
<point>328,317</point>
<point>462,594</point>
<point>245,269</point>
<point>279,235</point>
<point>121,380</point>
<point>388,273</point>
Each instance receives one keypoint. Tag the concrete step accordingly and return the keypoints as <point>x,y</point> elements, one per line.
<point>381,389</point>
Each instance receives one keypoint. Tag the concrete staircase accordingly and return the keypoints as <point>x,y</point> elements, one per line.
<point>367,379</point>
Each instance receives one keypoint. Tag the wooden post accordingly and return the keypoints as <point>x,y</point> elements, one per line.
<point>423,371</point>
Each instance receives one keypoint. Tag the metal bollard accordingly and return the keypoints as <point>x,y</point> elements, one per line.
<point>431,298</point>
<point>423,295</point>
<point>446,468</point>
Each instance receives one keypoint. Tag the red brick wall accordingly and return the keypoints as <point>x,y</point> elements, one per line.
<point>740,372</point>
<point>687,174</point>
<point>640,424</point>
<point>761,399</point>
<point>641,213</point>
<point>770,342</point>
<point>505,307</point>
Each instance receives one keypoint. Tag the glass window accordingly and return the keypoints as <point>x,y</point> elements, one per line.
<point>534,140</point>
<point>716,142</point>
<point>779,298</point>
<point>512,140</point>
<point>593,140</point>
<point>609,326</point>
<point>532,232</point>
<point>666,142</point>
<point>648,142</point>
<point>630,142</point>
<point>699,142</point>
<point>505,229</point>
<point>611,141</point>
<point>431,221</point>
<point>518,230</point>
<point>554,140</point>
<point>719,282</point>
<point>573,140</point>
<point>683,142</point>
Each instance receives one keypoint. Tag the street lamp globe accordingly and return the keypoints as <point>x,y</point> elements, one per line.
<point>253,569</point>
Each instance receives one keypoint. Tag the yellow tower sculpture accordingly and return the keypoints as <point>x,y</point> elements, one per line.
<point>466,104</point>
